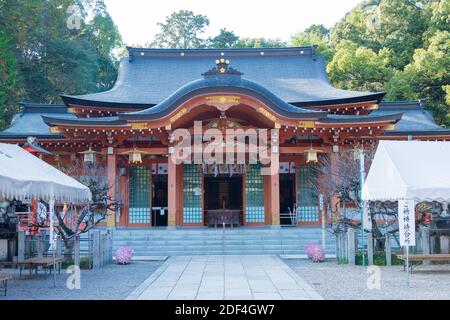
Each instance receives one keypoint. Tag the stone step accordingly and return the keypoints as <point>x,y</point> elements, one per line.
<point>202,241</point>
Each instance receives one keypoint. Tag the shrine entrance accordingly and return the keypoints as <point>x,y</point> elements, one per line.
<point>287,200</point>
<point>159,200</point>
<point>223,199</point>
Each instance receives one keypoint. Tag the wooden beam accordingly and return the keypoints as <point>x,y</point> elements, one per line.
<point>156,151</point>
<point>300,150</point>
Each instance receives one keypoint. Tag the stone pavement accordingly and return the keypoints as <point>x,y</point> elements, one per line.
<point>233,277</point>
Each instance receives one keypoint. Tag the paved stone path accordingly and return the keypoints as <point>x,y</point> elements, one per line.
<point>224,277</point>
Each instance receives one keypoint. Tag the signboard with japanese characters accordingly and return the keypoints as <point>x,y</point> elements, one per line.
<point>42,213</point>
<point>407,222</point>
<point>367,218</point>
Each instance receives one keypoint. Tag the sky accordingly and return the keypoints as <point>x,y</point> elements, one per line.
<point>137,19</point>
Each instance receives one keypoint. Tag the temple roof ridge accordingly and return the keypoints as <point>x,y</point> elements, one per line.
<point>148,76</point>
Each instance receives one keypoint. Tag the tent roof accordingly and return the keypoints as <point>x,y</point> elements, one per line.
<point>409,170</point>
<point>23,176</point>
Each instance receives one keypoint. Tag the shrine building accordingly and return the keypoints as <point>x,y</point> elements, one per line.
<point>131,128</point>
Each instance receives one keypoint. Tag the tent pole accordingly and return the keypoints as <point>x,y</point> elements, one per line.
<point>361,205</point>
<point>52,236</point>
<point>407,265</point>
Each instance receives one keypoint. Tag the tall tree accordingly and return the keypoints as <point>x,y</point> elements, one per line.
<point>316,34</point>
<point>182,29</point>
<point>406,43</point>
<point>429,74</point>
<point>260,43</point>
<point>58,47</point>
<point>8,81</point>
<point>394,24</point>
<point>359,68</point>
<point>225,39</point>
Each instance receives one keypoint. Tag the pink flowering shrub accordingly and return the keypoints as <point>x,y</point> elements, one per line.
<point>315,252</point>
<point>123,255</point>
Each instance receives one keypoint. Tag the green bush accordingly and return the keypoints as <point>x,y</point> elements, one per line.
<point>84,263</point>
<point>379,259</point>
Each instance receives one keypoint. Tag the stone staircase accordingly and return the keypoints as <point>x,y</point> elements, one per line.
<point>208,241</point>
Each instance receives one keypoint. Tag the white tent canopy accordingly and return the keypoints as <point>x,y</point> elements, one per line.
<point>409,170</point>
<point>23,176</point>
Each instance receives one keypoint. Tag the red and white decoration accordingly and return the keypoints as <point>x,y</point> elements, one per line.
<point>159,168</point>
<point>287,167</point>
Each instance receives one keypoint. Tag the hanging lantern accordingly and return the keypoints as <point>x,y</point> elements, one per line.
<point>89,155</point>
<point>135,155</point>
<point>311,155</point>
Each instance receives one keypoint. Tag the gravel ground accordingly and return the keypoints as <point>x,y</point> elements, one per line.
<point>113,282</point>
<point>338,282</point>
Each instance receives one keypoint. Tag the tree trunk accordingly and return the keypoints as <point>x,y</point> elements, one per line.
<point>68,248</point>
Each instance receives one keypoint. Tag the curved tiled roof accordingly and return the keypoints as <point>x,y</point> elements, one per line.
<point>222,83</point>
<point>415,118</point>
<point>295,75</point>
<point>29,121</point>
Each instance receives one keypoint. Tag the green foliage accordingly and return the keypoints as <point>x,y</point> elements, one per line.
<point>393,24</point>
<point>342,261</point>
<point>358,68</point>
<point>399,87</point>
<point>397,46</point>
<point>317,35</point>
<point>85,263</point>
<point>429,74</point>
<point>181,29</point>
<point>379,259</point>
<point>8,76</point>
<point>44,58</point>
<point>260,43</point>
<point>225,39</point>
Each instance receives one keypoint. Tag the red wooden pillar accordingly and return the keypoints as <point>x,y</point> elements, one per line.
<point>274,182</point>
<point>172,192</point>
<point>334,162</point>
<point>112,172</point>
<point>34,207</point>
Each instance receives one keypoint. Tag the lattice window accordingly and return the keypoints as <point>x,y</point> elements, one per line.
<point>139,211</point>
<point>192,197</point>
<point>308,209</point>
<point>254,195</point>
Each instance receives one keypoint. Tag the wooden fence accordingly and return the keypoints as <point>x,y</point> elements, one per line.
<point>347,246</point>
<point>97,248</point>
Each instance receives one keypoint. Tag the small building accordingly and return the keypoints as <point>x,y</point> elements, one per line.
<point>135,129</point>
